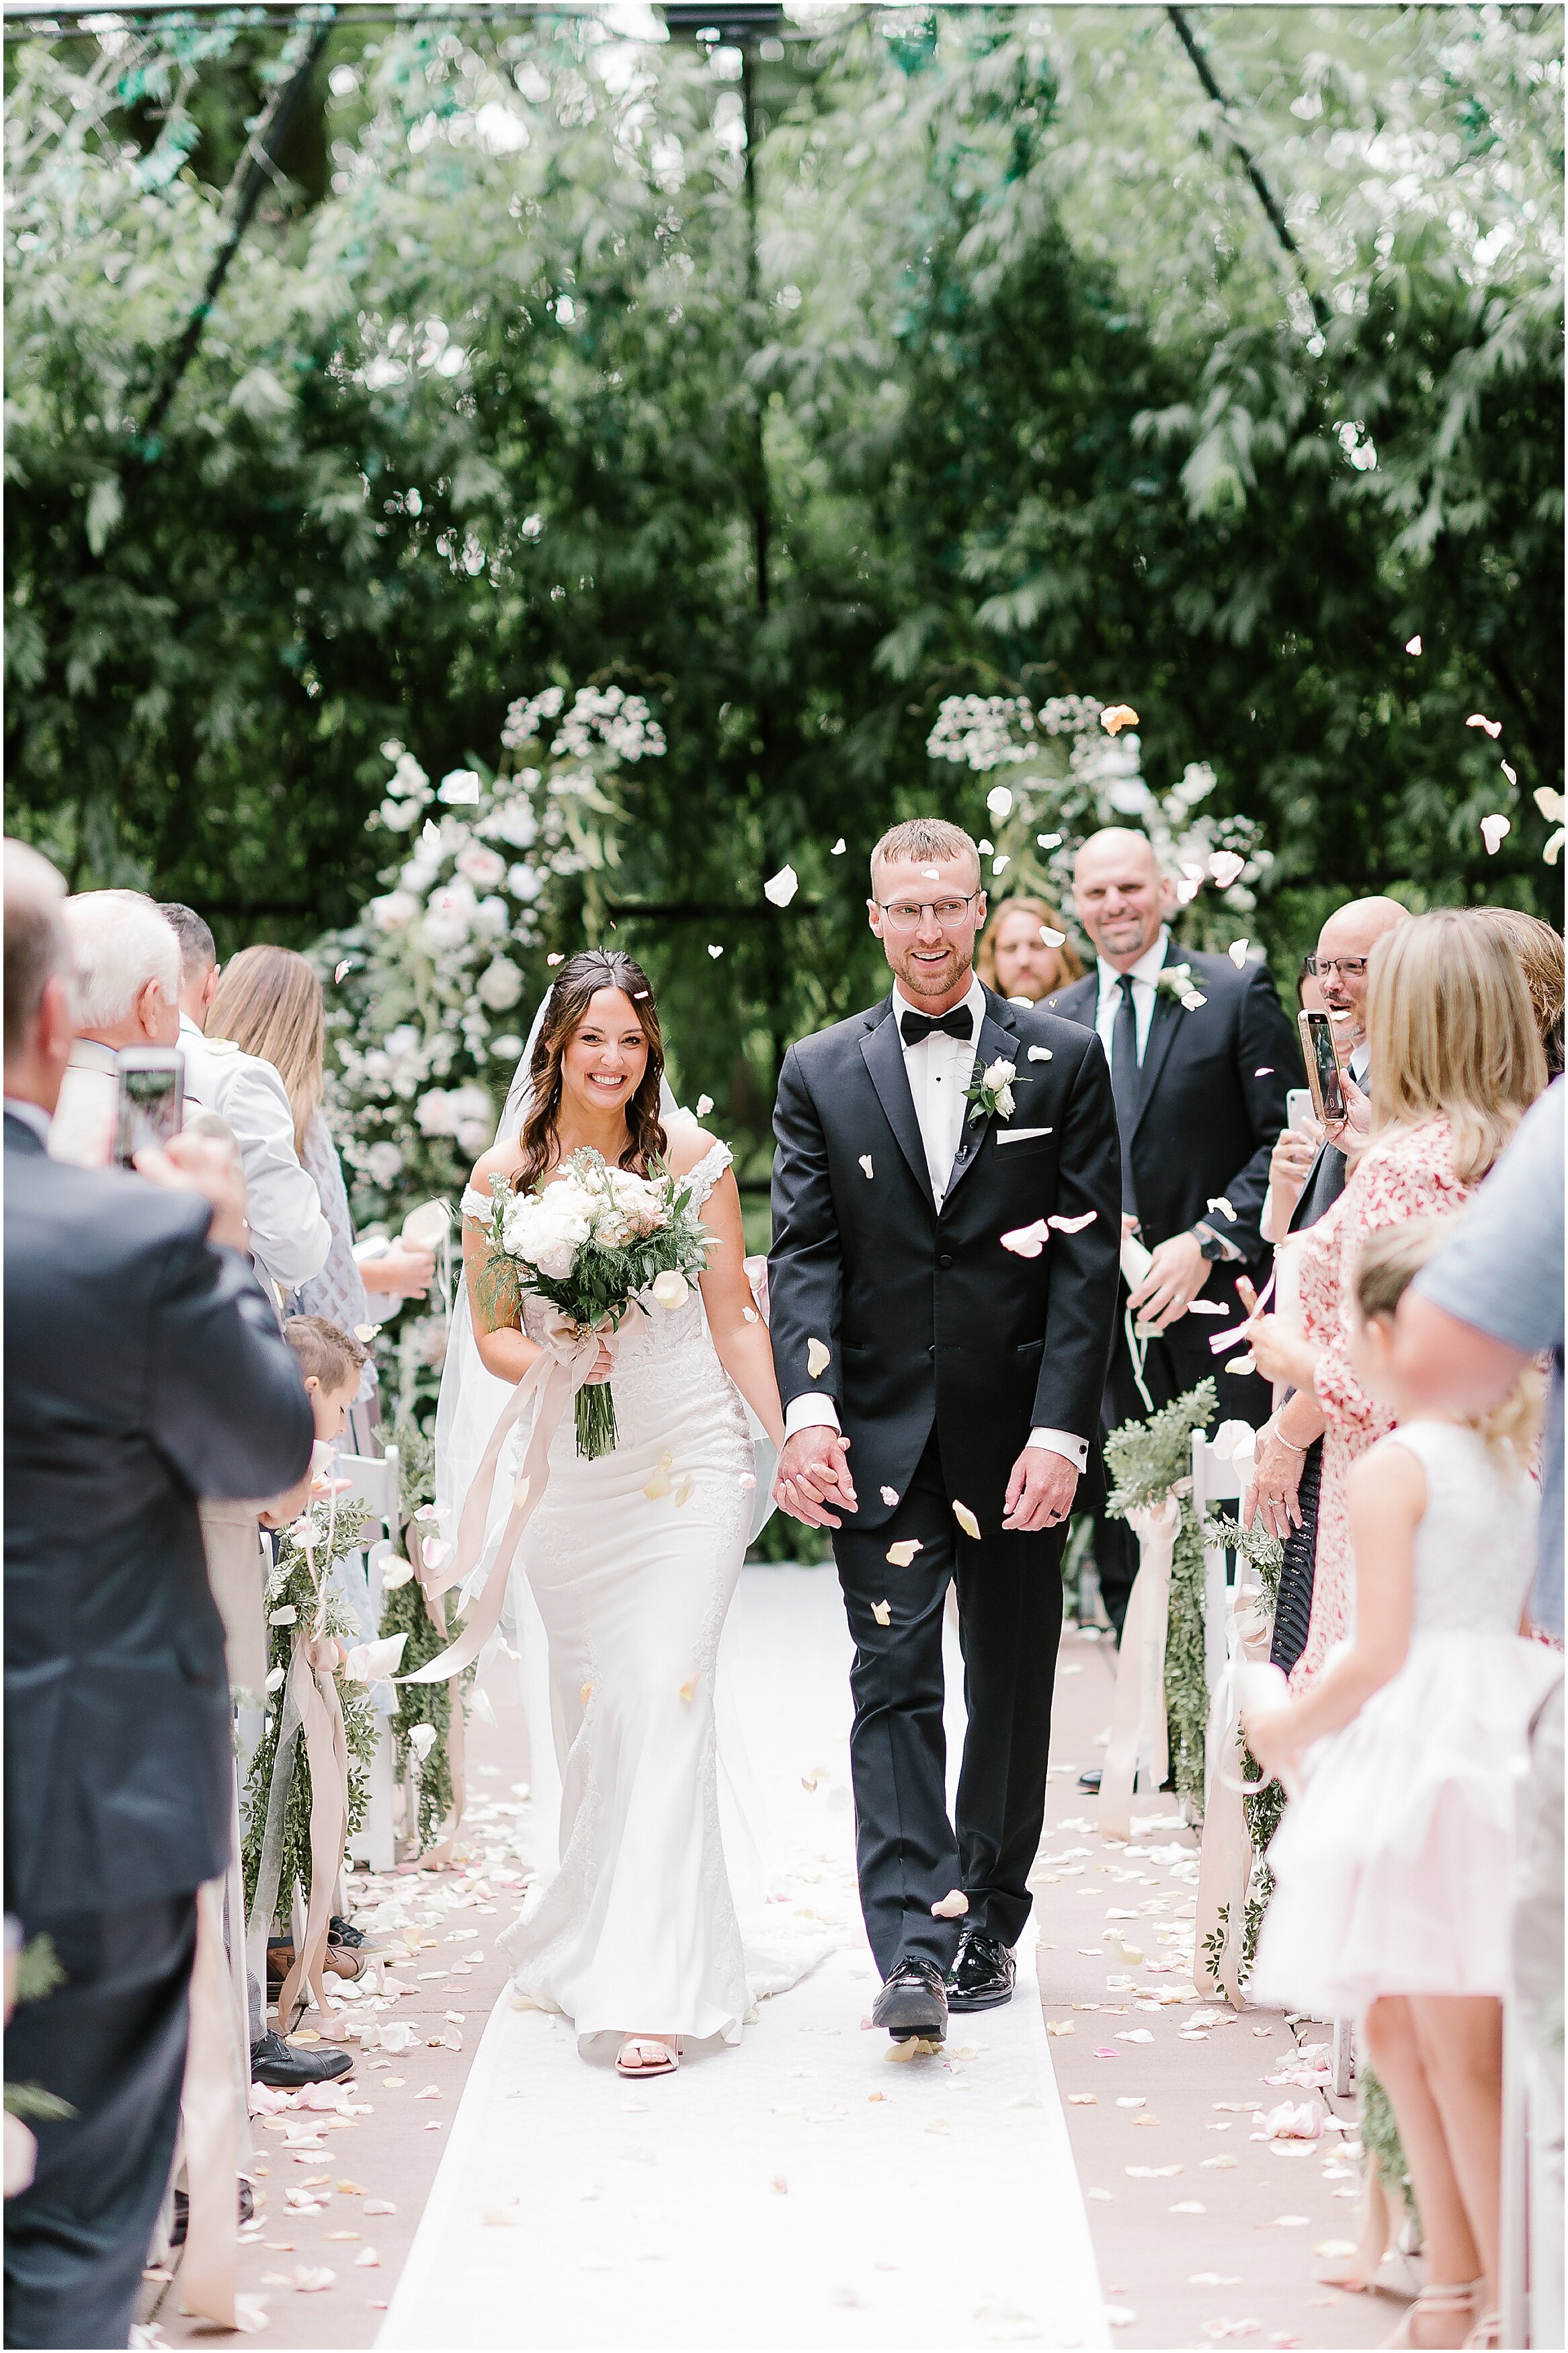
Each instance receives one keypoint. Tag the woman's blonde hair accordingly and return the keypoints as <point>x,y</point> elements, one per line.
<point>1391,1258</point>
<point>1070,963</point>
<point>1451,1034</point>
<point>270,1003</point>
<point>1540,952</point>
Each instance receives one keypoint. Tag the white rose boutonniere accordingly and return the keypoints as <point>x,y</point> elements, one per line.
<point>1177,980</point>
<point>991,1092</point>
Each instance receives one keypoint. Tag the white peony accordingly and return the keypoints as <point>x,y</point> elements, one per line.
<point>492,918</point>
<point>500,985</point>
<point>549,1228</point>
<point>525,883</point>
<point>514,823</point>
<point>384,1164</point>
<point>448,915</point>
<point>434,1113</point>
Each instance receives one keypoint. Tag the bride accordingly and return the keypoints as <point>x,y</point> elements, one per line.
<point>633,1557</point>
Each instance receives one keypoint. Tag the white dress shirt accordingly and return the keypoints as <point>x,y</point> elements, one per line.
<point>289,1236</point>
<point>938,1070</point>
<point>82,1129</point>
<point>1144,974</point>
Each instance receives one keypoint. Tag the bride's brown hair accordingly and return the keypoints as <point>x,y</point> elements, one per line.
<point>576,985</point>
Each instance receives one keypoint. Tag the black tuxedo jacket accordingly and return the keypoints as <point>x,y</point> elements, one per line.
<point>1211,1102</point>
<point>926,1318</point>
<point>143,1368</point>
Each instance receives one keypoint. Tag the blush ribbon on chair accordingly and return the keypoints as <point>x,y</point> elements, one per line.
<point>1225,1863</point>
<point>1138,1748</point>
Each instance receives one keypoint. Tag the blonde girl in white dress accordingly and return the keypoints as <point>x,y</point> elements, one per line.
<point>634,1556</point>
<point>1393,1864</point>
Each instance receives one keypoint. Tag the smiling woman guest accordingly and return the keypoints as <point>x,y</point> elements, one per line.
<point>1014,958</point>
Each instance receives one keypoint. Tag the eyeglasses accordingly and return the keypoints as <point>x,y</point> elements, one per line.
<point>904,915</point>
<point>1348,967</point>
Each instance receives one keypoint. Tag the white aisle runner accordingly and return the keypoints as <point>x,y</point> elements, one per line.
<point>797,2189</point>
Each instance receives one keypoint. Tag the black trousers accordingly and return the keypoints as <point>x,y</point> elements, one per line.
<point>112,2040</point>
<point>1176,1361</point>
<point>1010,1621</point>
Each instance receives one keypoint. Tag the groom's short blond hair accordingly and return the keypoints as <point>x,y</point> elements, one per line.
<point>924,841</point>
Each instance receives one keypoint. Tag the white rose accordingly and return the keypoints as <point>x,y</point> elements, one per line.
<point>470,1102</point>
<point>396,815</point>
<point>396,912</point>
<point>484,867</point>
<point>998,1076</point>
<point>492,918</point>
<point>514,823</point>
<point>384,1162</point>
<point>500,985</point>
<point>525,883</point>
<point>669,1289</point>
<point>1004,1102</point>
<point>474,1135</point>
<point>434,1113</point>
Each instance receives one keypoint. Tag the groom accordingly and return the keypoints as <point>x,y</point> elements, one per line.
<point>942,1396</point>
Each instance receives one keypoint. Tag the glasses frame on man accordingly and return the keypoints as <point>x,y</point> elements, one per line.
<point>894,910</point>
<point>1326,967</point>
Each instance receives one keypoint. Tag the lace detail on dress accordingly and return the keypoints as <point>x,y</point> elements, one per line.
<point>701,1178</point>
<point>476,1205</point>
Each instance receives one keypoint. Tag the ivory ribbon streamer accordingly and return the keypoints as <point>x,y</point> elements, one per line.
<point>210,2117</point>
<point>1138,1739</point>
<point>1224,1861</point>
<point>326,1749</point>
<point>553,1379</point>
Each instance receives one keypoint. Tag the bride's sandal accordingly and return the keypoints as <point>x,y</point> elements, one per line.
<point>1457,2297</point>
<point>647,2054</point>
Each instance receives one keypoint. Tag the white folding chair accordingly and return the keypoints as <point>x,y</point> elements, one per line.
<point>373,1483</point>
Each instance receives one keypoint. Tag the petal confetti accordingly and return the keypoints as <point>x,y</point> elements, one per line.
<point>1073,1225</point>
<point>1413,645</point>
<point>1479,719</point>
<point>882,1612</point>
<point>346,966</point>
<point>1053,939</point>
<point>1119,715</point>
<point>901,1554</point>
<point>1226,868</point>
<point>1027,1242</point>
<point>866,1162</point>
<point>889,1496</point>
<point>1222,1205</point>
<point>817,1359</point>
<point>1492,831</point>
<point>1040,1054</point>
<point>704,1106</point>
<point>1236,951</point>
<point>967,1520</point>
<point>714,952</point>
<point>837,849</point>
<point>782,887</point>
<point>1511,774</point>
<point>950,1907</point>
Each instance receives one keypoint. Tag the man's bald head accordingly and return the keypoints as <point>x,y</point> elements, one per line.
<point>38,986</point>
<point>1344,945</point>
<point>1120,895</point>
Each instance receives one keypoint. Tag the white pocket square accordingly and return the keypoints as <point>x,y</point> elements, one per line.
<point>1020,1135</point>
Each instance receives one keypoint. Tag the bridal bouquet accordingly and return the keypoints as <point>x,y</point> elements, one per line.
<point>591,1242</point>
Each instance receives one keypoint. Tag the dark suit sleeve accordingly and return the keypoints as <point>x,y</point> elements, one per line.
<point>1269,1066</point>
<point>806,1266</point>
<point>224,1404</point>
<point>1080,1308</point>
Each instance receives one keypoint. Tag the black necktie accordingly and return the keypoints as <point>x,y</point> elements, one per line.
<point>1124,1085</point>
<point>915,1027</point>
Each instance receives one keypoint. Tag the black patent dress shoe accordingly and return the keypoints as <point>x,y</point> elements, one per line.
<point>913,2002</point>
<point>982,1976</point>
<point>1091,1780</point>
<point>182,2222</point>
<point>285,2067</point>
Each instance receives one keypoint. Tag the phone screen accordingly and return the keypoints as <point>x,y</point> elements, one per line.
<point>151,1101</point>
<point>1322,1066</point>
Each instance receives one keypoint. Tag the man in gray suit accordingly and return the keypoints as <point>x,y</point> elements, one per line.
<point>144,1368</point>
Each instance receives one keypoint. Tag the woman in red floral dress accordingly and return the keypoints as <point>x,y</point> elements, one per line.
<point>1455,1061</point>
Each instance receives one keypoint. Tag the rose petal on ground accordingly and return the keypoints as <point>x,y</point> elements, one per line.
<point>1060,2026</point>
<point>902,1553</point>
<point>1083,2099</point>
<point>1217,2163</point>
<point>817,1359</point>
<point>967,1520</point>
<point>379,2205</point>
<point>1136,2034</point>
<point>1073,1225</point>
<point>350,2190</point>
<point>310,2282</point>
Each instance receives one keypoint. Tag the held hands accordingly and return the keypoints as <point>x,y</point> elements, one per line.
<point>1177,1273</point>
<point>1039,1491</point>
<point>812,1473</point>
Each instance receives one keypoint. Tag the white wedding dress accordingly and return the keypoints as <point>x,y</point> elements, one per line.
<point>637,1928</point>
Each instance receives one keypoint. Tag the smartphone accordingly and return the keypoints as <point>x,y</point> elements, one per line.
<point>1298,1107</point>
<point>150,1104</point>
<point>1323,1067</point>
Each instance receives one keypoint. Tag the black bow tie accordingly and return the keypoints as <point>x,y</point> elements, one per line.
<point>914,1026</point>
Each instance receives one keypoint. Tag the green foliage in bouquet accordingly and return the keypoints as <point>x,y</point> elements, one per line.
<point>1147,1459</point>
<point>291,1586</point>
